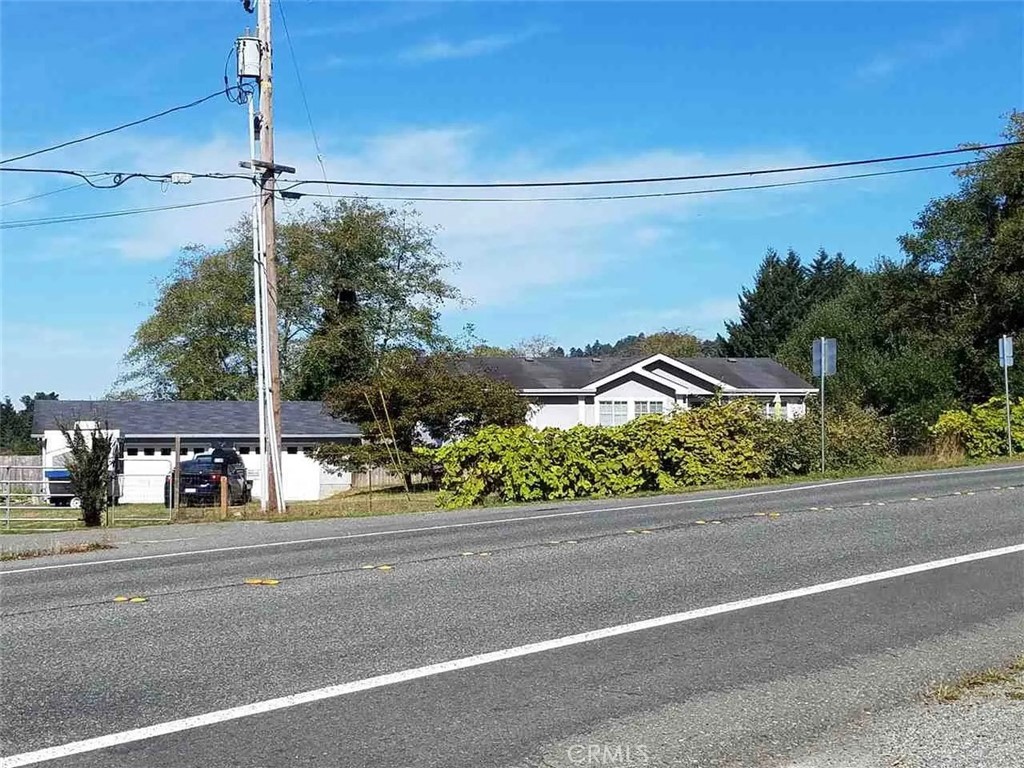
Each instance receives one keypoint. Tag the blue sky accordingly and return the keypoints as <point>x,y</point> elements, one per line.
<point>487,91</point>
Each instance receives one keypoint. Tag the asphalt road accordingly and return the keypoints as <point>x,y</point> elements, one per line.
<point>715,683</point>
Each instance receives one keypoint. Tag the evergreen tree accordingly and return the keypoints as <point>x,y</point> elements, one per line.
<point>827,277</point>
<point>771,309</point>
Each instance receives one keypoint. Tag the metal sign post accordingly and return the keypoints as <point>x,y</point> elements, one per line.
<point>1006,360</point>
<point>823,363</point>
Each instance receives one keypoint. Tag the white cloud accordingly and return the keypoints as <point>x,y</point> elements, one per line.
<point>394,16</point>
<point>508,250</point>
<point>444,50</point>
<point>914,53</point>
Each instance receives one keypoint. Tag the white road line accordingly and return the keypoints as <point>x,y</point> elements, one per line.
<point>161,541</point>
<point>380,681</point>
<point>505,520</point>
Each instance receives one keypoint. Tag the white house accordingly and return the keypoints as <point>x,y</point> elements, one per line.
<point>613,390</point>
<point>145,433</point>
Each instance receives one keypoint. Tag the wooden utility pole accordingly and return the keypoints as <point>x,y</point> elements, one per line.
<point>268,178</point>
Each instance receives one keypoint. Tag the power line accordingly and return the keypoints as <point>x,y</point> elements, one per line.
<point>25,223</point>
<point>660,179</point>
<point>117,128</point>
<point>120,177</point>
<point>637,196</point>
<point>21,224</point>
<point>302,92</point>
<point>117,178</point>
<point>42,194</point>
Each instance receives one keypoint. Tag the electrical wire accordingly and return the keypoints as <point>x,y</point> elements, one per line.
<point>120,177</point>
<point>117,128</point>
<point>641,195</point>
<point>245,90</point>
<point>25,223</point>
<point>117,178</point>
<point>302,92</point>
<point>42,194</point>
<point>659,179</point>
<point>21,224</point>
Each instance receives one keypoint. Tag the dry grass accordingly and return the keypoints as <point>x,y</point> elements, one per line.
<point>62,549</point>
<point>391,501</point>
<point>949,691</point>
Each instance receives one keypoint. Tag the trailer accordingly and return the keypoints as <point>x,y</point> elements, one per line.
<point>55,453</point>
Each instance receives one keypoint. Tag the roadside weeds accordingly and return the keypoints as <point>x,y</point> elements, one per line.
<point>62,549</point>
<point>949,691</point>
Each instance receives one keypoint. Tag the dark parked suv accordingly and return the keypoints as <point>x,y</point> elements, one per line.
<point>200,479</point>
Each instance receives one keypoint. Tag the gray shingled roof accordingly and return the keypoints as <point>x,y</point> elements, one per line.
<point>747,372</point>
<point>548,372</point>
<point>190,417</point>
<point>578,372</point>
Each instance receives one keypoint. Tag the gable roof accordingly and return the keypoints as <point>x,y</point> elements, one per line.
<point>548,372</point>
<point>747,372</point>
<point>190,418</point>
<point>572,373</point>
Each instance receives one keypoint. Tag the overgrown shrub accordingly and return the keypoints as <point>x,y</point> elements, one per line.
<point>717,442</point>
<point>854,439</point>
<point>980,432</point>
<point>89,467</point>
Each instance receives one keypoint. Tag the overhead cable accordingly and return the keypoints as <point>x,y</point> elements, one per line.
<point>117,178</point>
<point>121,127</point>
<point>302,92</point>
<point>25,223</point>
<point>640,195</point>
<point>682,193</point>
<point>42,194</point>
<point>656,179</point>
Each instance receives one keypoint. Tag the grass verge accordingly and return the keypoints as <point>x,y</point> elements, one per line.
<point>63,549</point>
<point>949,691</point>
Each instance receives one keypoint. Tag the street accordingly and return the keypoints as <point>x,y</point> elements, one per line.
<point>720,628</point>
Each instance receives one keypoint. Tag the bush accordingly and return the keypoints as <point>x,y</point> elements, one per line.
<point>855,439</point>
<point>719,442</point>
<point>981,431</point>
<point>89,467</point>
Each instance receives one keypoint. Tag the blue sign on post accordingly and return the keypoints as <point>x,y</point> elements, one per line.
<point>823,350</point>
<point>1006,351</point>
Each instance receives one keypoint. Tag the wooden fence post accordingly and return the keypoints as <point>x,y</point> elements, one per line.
<point>223,497</point>
<point>176,479</point>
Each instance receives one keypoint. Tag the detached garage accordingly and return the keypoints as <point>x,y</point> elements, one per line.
<point>145,433</point>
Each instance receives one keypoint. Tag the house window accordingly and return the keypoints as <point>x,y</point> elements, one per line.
<point>243,449</point>
<point>165,451</point>
<point>147,451</point>
<point>644,407</point>
<point>307,449</point>
<point>613,412</point>
<point>133,451</point>
<point>293,449</point>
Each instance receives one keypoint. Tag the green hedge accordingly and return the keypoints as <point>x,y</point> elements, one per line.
<point>717,442</point>
<point>981,431</point>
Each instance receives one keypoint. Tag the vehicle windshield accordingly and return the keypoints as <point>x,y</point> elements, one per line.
<point>208,460</point>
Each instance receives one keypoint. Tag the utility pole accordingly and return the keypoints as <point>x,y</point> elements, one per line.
<point>275,500</point>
